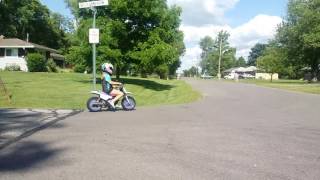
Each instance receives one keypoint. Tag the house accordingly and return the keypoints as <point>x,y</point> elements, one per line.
<point>242,72</point>
<point>267,76</point>
<point>249,73</point>
<point>14,51</point>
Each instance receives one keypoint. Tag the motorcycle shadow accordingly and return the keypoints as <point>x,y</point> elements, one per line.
<point>117,109</point>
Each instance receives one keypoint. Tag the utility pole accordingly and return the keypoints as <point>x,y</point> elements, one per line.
<point>94,50</point>
<point>220,56</point>
<point>94,33</point>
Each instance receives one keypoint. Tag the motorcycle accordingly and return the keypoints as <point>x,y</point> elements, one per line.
<point>100,101</point>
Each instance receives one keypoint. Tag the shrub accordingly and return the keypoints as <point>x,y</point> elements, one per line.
<point>65,70</point>
<point>52,66</point>
<point>79,68</point>
<point>36,62</point>
<point>12,67</point>
<point>78,56</point>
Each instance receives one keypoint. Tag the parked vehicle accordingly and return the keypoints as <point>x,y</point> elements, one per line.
<point>229,76</point>
<point>247,76</point>
<point>205,76</point>
<point>100,101</point>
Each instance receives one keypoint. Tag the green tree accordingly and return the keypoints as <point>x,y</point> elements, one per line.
<point>186,73</point>
<point>192,72</point>
<point>211,51</point>
<point>299,35</point>
<point>271,61</point>
<point>255,53</point>
<point>140,34</point>
<point>21,17</point>
<point>207,45</point>
<point>241,62</point>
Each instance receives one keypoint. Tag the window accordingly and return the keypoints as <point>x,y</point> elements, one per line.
<point>12,52</point>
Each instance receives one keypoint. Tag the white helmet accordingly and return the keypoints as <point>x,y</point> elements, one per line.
<point>107,67</point>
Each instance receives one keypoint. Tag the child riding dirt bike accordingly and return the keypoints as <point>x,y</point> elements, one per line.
<point>108,84</point>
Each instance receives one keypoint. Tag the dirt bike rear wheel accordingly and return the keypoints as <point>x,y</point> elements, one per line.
<point>93,104</point>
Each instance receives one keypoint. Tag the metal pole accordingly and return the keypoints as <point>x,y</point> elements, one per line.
<point>94,50</point>
<point>219,69</point>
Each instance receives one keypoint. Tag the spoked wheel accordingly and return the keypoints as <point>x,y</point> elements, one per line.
<point>94,105</point>
<point>128,103</point>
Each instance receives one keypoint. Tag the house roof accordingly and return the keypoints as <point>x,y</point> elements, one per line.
<point>18,43</point>
<point>57,56</point>
<point>242,69</point>
<point>37,46</point>
<point>15,43</point>
<point>230,70</point>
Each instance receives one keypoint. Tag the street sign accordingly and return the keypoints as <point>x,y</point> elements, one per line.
<point>93,33</point>
<point>91,4</point>
<point>94,36</point>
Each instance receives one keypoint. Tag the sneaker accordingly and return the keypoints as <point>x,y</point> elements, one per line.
<point>118,106</point>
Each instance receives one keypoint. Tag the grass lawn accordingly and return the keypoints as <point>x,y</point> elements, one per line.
<point>291,85</point>
<point>71,91</point>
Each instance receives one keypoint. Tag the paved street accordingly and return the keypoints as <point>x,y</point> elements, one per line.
<point>237,131</point>
<point>18,123</point>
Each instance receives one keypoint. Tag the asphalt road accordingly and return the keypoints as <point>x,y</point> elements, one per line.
<point>237,131</point>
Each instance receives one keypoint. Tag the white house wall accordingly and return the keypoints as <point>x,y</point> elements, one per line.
<point>267,76</point>
<point>7,61</point>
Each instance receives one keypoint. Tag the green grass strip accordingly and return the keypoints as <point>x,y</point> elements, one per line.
<point>291,85</point>
<point>71,90</point>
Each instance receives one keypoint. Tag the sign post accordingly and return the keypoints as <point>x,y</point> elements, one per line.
<point>94,33</point>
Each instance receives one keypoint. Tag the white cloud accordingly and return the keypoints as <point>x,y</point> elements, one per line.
<point>192,34</point>
<point>259,29</point>
<point>207,17</point>
<point>191,57</point>
<point>199,12</point>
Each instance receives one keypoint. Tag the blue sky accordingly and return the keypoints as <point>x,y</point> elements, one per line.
<point>57,6</point>
<point>245,10</point>
<point>248,22</point>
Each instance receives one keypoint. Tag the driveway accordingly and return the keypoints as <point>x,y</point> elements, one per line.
<point>237,131</point>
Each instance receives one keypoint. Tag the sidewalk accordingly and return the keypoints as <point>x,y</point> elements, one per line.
<point>16,124</point>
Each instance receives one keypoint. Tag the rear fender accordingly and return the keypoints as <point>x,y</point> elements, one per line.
<point>95,92</point>
<point>102,95</point>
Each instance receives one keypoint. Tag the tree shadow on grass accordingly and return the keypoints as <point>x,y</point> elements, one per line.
<point>145,83</point>
<point>290,82</point>
<point>26,155</point>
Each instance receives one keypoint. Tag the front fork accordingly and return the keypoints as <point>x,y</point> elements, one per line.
<point>126,97</point>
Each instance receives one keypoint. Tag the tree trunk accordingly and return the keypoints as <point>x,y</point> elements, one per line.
<point>144,75</point>
<point>271,77</point>
<point>315,72</point>
<point>317,75</point>
<point>118,71</point>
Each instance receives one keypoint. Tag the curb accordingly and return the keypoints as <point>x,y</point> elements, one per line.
<point>31,131</point>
